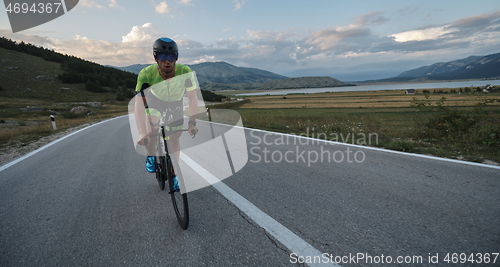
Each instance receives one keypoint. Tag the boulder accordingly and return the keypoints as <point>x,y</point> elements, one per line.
<point>81,110</point>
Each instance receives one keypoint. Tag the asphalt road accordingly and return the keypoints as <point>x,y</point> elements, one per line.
<point>87,201</point>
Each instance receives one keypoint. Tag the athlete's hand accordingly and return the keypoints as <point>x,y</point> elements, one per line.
<point>192,130</point>
<point>144,140</point>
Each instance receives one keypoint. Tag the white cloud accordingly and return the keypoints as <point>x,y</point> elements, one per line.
<point>421,35</point>
<point>162,8</point>
<point>146,33</point>
<point>329,38</point>
<point>112,3</point>
<point>238,4</point>
<point>270,36</point>
<point>90,4</point>
<point>205,58</point>
<point>93,4</point>
<point>186,2</point>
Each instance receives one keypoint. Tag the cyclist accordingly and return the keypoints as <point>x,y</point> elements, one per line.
<point>166,53</point>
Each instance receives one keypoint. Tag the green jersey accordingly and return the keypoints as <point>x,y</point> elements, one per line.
<point>169,91</point>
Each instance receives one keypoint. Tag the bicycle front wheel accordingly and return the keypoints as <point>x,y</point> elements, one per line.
<point>160,171</point>
<point>179,200</point>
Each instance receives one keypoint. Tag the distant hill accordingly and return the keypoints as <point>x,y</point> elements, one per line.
<point>136,68</point>
<point>441,68</point>
<point>485,67</point>
<point>473,67</point>
<point>215,76</point>
<point>221,72</point>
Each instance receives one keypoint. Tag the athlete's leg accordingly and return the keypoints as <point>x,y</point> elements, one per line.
<point>152,141</point>
<point>175,146</point>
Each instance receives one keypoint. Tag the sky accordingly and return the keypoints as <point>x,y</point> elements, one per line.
<point>347,40</point>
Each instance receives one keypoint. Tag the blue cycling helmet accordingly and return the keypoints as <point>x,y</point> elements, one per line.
<point>165,46</point>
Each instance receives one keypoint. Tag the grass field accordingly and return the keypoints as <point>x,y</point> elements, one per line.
<point>455,127</point>
<point>30,81</point>
<point>361,99</point>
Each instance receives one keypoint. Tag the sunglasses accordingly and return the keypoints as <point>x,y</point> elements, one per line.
<point>170,56</point>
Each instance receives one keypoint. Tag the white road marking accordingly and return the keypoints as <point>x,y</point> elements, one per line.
<point>286,237</point>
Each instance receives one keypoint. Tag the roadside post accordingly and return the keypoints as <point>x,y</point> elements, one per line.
<point>53,122</point>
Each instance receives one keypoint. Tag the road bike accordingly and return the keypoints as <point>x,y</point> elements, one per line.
<point>164,174</point>
<point>164,163</point>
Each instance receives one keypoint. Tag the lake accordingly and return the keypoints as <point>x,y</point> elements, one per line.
<point>379,87</point>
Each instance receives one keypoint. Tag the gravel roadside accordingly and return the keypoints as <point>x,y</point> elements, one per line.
<point>10,153</point>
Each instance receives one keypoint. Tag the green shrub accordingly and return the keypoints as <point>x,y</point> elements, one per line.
<point>467,130</point>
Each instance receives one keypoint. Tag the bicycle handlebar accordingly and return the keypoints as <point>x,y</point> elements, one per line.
<point>167,133</point>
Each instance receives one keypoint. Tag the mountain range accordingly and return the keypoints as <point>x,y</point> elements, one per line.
<point>222,75</point>
<point>473,67</point>
<point>214,76</point>
<point>222,72</point>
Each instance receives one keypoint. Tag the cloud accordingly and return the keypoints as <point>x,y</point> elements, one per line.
<point>135,47</point>
<point>331,48</point>
<point>162,8</point>
<point>348,38</point>
<point>112,3</point>
<point>373,18</point>
<point>238,4</point>
<point>478,21</point>
<point>90,4</point>
<point>146,33</point>
<point>421,35</point>
<point>186,2</point>
<point>330,37</point>
<point>270,36</point>
<point>228,44</point>
<point>466,35</point>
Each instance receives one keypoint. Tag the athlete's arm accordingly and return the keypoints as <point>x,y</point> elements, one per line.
<point>193,110</point>
<point>141,119</point>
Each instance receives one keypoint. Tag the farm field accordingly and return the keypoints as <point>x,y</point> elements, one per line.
<point>446,124</point>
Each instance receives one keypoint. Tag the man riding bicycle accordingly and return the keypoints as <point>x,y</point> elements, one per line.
<point>166,53</point>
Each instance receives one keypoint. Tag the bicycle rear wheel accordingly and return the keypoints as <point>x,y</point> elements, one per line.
<point>179,200</point>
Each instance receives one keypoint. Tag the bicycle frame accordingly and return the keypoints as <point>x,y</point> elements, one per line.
<point>165,172</point>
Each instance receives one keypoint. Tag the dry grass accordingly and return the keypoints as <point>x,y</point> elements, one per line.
<point>373,99</point>
<point>19,128</point>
